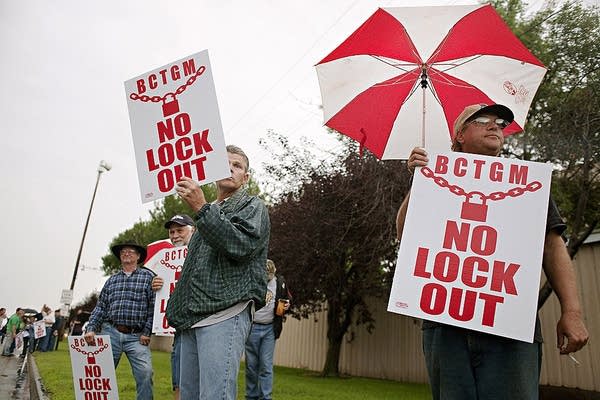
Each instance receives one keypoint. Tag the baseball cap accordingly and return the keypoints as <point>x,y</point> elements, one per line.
<point>474,110</point>
<point>180,219</point>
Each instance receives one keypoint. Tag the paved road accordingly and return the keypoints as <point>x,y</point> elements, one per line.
<point>12,383</point>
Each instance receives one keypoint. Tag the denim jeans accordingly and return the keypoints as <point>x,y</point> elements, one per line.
<point>259,362</point>
<point>468,365</point>
<point>210,358</point>
<point>9,342</point>
<point>45,340</point>
<point>139,357</point>
<point>52,341</point>
<point>175,360</point>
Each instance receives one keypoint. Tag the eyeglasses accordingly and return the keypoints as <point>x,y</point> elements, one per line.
<point>128,251</point>
<point>485,121</point>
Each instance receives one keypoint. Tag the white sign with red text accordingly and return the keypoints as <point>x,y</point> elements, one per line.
<point>39,329</point>
<point>471,249</point>
<point>167,264</point>
<point>19,341</point>
<point>176,126</point>
<point>93,369</point>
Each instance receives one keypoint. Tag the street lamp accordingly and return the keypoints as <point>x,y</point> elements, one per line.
<point>102,167</point>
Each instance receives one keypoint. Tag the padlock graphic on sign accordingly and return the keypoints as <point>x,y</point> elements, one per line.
<point>170,107</point>
<point>474,207</point>
<point>91,359</point>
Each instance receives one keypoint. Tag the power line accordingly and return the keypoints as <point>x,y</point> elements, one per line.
<point>268,91</point>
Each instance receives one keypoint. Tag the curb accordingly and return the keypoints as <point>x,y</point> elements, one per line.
<point>35,381</point>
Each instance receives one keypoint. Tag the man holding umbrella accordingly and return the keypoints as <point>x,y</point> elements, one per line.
<point>124,311</point>
<point>464,364</point>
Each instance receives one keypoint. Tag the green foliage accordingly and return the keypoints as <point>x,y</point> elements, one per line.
<point>333,234</point>
<point>86,305</point>
<point>564,122</point>
<point>290,384</point>
<point>56,372</point>
<point>153,229</point>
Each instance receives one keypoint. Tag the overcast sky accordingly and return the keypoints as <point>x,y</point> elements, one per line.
<point>63,110</point>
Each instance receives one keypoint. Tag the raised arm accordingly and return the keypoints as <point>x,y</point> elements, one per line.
<point>418,158</point>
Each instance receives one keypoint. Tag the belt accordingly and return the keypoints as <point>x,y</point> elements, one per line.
<point>126,328</point>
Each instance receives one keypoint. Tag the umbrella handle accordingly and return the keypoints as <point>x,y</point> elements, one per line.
<point>363,139</point>
<point>423,119</point>
<point>424,84</point>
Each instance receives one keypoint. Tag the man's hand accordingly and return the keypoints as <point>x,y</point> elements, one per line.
<point>157,283</point>
<point>418,158</point>
<point>571,334</point>
<point>191,193</point>
<point>90,338</point>
<point>145,340</point>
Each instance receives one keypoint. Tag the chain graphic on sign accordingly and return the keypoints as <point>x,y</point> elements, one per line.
<point>91,355</point>
<point>478,211</point>
<point>170,107</point>
<point>170,266</point>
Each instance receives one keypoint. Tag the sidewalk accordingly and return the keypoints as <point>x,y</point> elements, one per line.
<point>13,384</point>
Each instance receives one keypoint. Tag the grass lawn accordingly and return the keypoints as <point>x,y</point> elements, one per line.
<point>290,384</point>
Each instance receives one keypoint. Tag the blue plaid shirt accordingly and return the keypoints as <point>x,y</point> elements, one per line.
<point>125,300</point>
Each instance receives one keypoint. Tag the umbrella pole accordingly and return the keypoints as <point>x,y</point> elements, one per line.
<point>423,122</point>
<point>424,87</point>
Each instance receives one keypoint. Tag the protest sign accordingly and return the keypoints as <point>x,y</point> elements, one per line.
<point>176,126</point>
<point>93,369</point>
<point>19,341</point>
<point>39,329</point>
<point>167,264</point>
<point>471,249</point>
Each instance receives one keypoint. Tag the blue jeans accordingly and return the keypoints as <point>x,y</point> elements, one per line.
<point>210,358</point>
<point>175,360</point>
<point>9,343</point>
<point>139,357</point>
<point>468,365</point>
<point>45,340</point>
<point>260,347</point>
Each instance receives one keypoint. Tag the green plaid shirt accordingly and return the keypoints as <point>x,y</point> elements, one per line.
<point>226,261</point>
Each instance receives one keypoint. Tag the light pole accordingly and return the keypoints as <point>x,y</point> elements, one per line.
<point>102,167</point>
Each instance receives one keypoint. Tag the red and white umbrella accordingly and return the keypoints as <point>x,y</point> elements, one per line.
<point>401,79</point>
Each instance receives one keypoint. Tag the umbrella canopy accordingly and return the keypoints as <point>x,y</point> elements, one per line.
<point>29,312</point>
<point>401,79</point>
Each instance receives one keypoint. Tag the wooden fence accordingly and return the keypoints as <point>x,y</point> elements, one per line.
<point>394,349</point>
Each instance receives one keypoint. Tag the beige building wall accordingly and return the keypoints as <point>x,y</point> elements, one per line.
<point>560,370</point>
<point>393,350</point>
<point>162,343</point>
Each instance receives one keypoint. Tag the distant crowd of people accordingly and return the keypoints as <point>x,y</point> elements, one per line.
<point>22,323</point>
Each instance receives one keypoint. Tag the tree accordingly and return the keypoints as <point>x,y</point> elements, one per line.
<point>153,229</point>
<point>564,122</point>
<point>86,306</point>
<point>333,236</point>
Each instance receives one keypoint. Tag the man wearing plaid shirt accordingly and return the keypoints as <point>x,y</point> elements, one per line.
<point>124,311</point>
<point>221,283</point>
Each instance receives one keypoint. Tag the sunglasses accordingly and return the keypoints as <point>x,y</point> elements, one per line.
<point>485,121</point>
